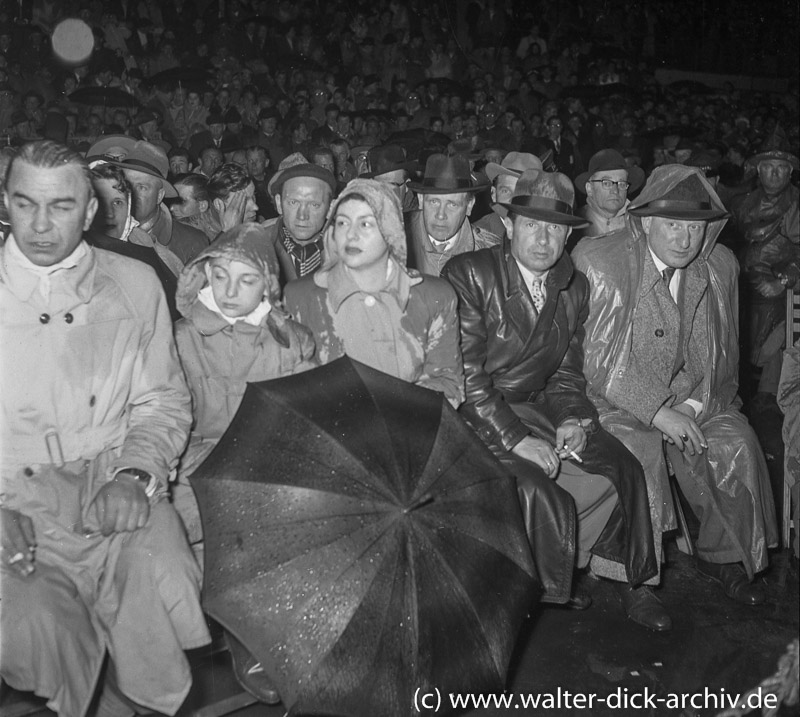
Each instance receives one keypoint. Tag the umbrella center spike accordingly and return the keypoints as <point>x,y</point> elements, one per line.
<point>419,502</point>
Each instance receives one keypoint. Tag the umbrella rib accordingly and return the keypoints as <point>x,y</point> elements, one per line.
<point>327,467</point>
<point>455,582</point>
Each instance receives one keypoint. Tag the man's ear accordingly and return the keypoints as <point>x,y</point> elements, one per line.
<point>470,204</point>
<point>494,194</point>
<point>91,210</point>
<point>161,194</point>
<point>278,206</point>
<point>646,222</point>
<point>203,204</point>
<point>219,205</point>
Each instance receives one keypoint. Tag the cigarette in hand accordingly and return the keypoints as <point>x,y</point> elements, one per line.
<point>15,558</point>
<point>576,457</point>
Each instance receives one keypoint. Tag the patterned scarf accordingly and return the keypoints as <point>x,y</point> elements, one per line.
<point>305,257</point>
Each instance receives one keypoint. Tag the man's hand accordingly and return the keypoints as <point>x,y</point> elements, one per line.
<point>121,505</point>
<point>570,438</point>
<point>539,452</point>
<point>18,541</point>
<point>233,213</point>
<point>679,428</point>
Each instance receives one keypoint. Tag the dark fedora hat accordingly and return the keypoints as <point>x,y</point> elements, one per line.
<point>387,158</point>
<point>547,196</point>
<point>604,161</point>
<point>447,175</point>
<point>688,200</point>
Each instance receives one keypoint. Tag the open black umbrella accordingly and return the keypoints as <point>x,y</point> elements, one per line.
<point>103,97</point>
<point>363,543</point>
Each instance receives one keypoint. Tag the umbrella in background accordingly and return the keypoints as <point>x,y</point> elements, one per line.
<point>104,97</point>
<point>362,542</point>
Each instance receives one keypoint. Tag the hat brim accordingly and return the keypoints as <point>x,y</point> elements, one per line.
<point>421,188</point>
<point>169,191</point>
<point>684,214</point>
<point>635,177</point>
<point>405,166</point>
<point>493,170</point>
<point>774,154</point>
<point>545,215</point>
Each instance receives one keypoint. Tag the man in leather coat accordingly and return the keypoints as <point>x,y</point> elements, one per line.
<point>522,308</point>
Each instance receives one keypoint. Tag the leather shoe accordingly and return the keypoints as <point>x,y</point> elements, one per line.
<point>644,608</point>
<point>735,583</point>
<point>250,674</point>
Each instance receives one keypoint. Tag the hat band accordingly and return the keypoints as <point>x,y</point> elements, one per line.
<point>454,183</point>
<point>141,163</point>
<point>551,205</point>
<point>679,204</point>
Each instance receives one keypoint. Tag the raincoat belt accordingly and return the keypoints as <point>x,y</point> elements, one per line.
<point>56,448</point>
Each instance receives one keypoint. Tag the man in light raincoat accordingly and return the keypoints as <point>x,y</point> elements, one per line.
<point>661,359</point>
<point>99,591</point>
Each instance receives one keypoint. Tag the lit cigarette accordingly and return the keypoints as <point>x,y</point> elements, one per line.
<point>576,456</point>
<point>15,558</point>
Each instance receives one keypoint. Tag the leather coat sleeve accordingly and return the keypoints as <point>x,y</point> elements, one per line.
<point>485,408</point>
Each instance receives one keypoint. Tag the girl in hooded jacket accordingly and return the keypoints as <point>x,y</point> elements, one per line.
<point>233,332</point>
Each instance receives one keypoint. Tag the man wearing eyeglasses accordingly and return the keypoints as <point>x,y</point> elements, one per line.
<point>606,185</point>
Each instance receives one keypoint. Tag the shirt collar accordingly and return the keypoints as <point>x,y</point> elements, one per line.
<point>528,275</point>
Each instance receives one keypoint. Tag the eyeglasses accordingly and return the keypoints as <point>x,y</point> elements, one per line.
<point>610,183</point>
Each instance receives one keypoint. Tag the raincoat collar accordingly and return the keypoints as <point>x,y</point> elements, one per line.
<point>340,284</point>
<point>23,282</point>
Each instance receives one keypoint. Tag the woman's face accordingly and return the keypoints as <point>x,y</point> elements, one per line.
<point>238,288</point>
<point>359,242</point>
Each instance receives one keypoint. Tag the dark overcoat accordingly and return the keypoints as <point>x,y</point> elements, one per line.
<point>524,376</point>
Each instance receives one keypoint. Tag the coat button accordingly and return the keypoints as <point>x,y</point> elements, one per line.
<point>44,318</point>
<point>68,318</point>
<point>659,332</point>
<point>28,471</point>
<point>370,301</point>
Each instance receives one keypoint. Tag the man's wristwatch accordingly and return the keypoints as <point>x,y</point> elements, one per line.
<point>149,481</point>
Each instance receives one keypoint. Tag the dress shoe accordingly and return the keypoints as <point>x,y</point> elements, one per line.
<point>644,608</point>
<point>735,583</point>
<point>250,674</point>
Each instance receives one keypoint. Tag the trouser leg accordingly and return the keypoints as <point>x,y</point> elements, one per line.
<point>50,645</point>
<point>595,499</point>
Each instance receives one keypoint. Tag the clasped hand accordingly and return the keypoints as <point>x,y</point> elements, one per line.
<point>678,426</point>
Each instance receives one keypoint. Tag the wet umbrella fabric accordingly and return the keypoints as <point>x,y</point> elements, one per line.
<point>362,543</point>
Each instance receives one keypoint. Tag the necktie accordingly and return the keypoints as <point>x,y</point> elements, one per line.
<point>537,294</point>
<point>667,273</point>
